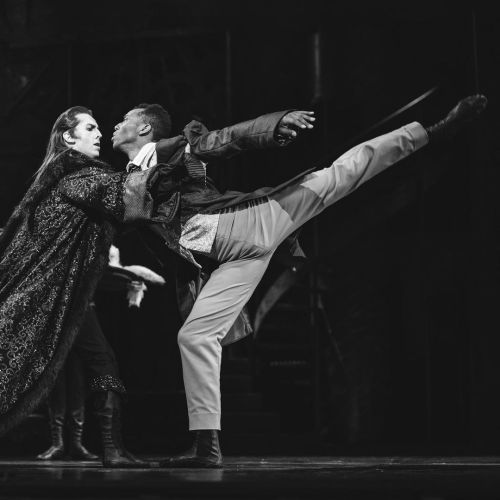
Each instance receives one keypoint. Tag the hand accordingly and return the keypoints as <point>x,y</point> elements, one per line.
<point>292,122</point>
<point>114,256</point>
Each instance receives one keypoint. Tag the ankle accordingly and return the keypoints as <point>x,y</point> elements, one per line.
<point>467,110</point>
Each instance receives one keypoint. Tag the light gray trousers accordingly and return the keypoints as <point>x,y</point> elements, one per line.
<point>245,242</point>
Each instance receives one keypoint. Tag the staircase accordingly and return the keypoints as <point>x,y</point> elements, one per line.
<point>285,356</point>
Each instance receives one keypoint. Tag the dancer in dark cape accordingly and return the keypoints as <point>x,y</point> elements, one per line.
<point>53,251</point>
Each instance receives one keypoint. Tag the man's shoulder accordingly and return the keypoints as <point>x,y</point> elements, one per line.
<point>166,148</point>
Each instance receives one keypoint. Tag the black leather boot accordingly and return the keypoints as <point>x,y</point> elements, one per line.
<point>114,453</point>
<point>76,449</point>
<point>57,412</point>
<point>56,451</point>
<point>464,112</point>
<point>204,453</point>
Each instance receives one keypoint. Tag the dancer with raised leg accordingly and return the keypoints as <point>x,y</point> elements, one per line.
<point>236,233</point>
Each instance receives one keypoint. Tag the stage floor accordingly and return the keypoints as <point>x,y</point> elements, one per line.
<point>422,478</point>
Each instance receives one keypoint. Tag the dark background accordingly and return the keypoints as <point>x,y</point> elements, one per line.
<point>404,354</point>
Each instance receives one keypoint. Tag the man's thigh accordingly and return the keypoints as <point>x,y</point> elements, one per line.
<point>223,297</point>
<point>251,232</point>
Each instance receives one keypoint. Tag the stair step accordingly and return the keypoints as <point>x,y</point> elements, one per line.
<point>284,347</point>
<point>285,331</point>
<point>236,383</point>
<point>235,366</point>
<point>289,363</point>
<point>247,401</point>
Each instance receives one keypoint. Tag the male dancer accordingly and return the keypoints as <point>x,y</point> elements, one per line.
<point>239,232</point>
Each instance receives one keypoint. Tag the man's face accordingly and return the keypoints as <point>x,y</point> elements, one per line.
<point>127,131</point>
<point>86,136</point>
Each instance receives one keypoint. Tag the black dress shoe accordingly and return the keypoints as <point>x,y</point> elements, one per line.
<point>204,453</point>
<point>464,112</point>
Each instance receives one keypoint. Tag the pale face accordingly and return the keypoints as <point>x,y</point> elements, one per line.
<point>86,136</point>
<point>127,131</point>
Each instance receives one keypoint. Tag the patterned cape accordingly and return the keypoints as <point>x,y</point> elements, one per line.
<point>53,251</point>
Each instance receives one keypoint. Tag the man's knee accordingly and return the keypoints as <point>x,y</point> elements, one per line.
<point>186,339</point>
<point>191,340</point>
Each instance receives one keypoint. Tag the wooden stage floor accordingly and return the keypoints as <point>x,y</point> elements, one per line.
<point>422,478</point>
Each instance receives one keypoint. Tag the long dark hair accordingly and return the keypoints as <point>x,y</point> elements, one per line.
<point>55,165</point>
<point>66,122</point>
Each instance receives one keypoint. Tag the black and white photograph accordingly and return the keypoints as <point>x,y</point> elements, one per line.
<point>249,250</point>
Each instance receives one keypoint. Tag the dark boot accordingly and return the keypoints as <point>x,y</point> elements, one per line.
<point>205,452</point>
<point>57,412</point>
<point>464,112</point>
<point>76,449</point>
<point>114,453</point>
<point>75,403</point>
<point>56,451</point>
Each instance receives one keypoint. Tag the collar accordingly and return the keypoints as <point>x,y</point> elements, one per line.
<point>145,158</point>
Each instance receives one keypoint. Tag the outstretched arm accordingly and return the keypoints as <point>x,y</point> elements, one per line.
<point>266,131</point>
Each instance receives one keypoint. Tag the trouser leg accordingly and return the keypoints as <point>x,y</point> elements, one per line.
<point>322,188</point>
<point>97,356</point>
<point>214,312</point>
